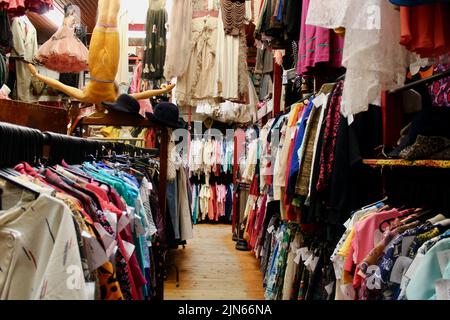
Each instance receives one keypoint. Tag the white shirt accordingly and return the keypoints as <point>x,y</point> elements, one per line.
<point>40,256</point>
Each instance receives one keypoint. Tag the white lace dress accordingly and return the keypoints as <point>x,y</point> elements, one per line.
<point>373,57</point>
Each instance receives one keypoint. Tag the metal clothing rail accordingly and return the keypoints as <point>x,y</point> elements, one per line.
<point>417,83</point>
<point>20,143</point>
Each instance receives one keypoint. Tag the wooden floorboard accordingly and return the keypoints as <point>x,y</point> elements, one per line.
<point>212,269</point>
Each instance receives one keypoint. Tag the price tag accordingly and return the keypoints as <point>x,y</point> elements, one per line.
<point>329,288</point>
<point>319,100</point>
<point>95,253</point>
<point>414,68</point>
<point>139,229</point>
<point>279,236</point>
<point>406,243</point>
<point>444,259</point>
<point>442,289</point>
<point>293,130</point>
<point>89,290</point>
<point>129,248</point>
<point>112,219</point>
<point>399,269</point>
<point>298,255</point>
<point>412,268</point>
<point>123,222</point>
<point>305,253</point>
<point>348,291</point>
<point>270,229</point>
<point>313,263</point>
<point>350,119</point>
<point>347,223</point>
<point>338,268</point>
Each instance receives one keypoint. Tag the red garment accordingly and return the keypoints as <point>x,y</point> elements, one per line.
<point>117,200</point>
<point>150,138</point>
<point>254,187</point>
<point>425,29</point>
<point>103,198</point>
<point>212,212</point>
<point>19,7</point>
<point>259,222</point>
<point>135,87</point>
<point>252,218</point>
<point>25,168</point>
<point>127,235</point>
<point>330,138</point>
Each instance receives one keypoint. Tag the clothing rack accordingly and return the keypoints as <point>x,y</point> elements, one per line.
<point>54,147</point>
<point>420,82</point>
<point>20,143</point>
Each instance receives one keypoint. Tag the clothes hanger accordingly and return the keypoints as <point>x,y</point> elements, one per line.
<point>421,215</point>
<point>444,223</point>
<point>11,172</point>
<point>389,220</point>
<point>63,177</point>
<point>375,203</point>
<point>5,176</point>
<point>437,218</point>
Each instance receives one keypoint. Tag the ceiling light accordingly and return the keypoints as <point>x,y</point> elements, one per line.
<point>56,17</point>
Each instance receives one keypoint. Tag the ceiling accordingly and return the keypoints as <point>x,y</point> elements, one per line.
<point>46,27</point>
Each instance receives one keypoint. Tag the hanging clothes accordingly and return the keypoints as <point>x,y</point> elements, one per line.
<point>6,38</point>
<point>64,52</point>
<point>180,30</point>
<point>317,45</point>
<point>122,77</point>
<point>417,36</point>
<point>155,41</point>
<point>24,47</point>
<point>71,79</point>
<point>19,7</point>
<point>226,83</point>
<point>197,83</point>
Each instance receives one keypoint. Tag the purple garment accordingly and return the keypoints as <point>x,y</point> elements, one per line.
<point>317,45</point>
<point>440,90</point>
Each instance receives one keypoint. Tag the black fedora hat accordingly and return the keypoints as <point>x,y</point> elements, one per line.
<point>125,103</point>
<point>165,114</point>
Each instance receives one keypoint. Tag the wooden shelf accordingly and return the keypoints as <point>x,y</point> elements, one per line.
<point>33,115</point>
<point>442,164</point>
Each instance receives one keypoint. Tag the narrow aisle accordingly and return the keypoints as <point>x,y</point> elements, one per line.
<point>211,268</point>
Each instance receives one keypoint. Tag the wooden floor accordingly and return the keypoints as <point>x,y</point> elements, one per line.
<point>212,269</point>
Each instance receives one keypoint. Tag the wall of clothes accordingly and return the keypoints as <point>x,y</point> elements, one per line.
<point>304,214</point>
<point>211,160</point>
<point>306,178</point>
